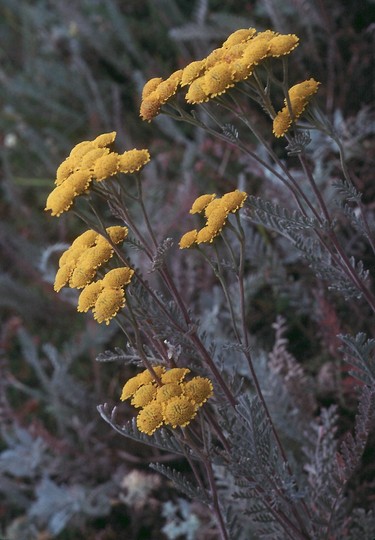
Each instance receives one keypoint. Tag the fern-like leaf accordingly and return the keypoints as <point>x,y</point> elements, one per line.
<point>181,483</point>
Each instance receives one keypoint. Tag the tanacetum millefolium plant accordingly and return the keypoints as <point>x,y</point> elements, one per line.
<point>264,461</point>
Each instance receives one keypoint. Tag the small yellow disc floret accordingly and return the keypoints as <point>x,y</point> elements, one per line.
<point>201,202</point>
<point>199,390</point>
<point>175,375</point>
<point>118,277</point>
<point>89,296</point>
<point>167,391</point>
<point>130,387</point>
<point>146,376</point>
<point>144,395</point>
<point>233,200</point>
<point>188,239</point>
<point>132,160</point>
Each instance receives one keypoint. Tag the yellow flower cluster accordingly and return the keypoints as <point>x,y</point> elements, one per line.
<point>299,96</point>
<point>169,400</point>
<point>78,266</point>
<point>90,161</point>
<point>216,211</point>
<point>231,63</point>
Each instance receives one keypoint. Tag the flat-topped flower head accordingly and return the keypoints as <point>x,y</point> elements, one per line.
<point>130,387</point>
<point>60,199</point>
<point>282,44</point>
<point>206,235</point>
<point>85,240</point>
<point>234,52</point>
<point>62,277</point>
<point>64,170</point>
<point>147,377</point>
<point>144,395</point>
<point>118,277</point>
<point>234,200</point>
<point>89,296</point>
<point>218,79</point>
<point>299,96</point>
<point>192,71</point>
<point>241,70</point>
<point>80,150</point>
<point>201,202</point>
<point>105,139</point>
<point>198,390</point>
<point>214,57</point>
<point>197,92</point>
<point>174,375</point>
<point>281,122</point>
<point>81,276</point>
<point>213,205</point>
<point>150,86</point>
<point>92,156</point>
<point>239,36</point>
<point>166,89</point>
<point>97,255</point>
<point>117,233</point>
<point>179,411</point>
<point>133,160</point>
<point>106,166</point>
<point>256,50</point>
<point>303,90</point>
<point>150,107</point>
<point>217,219</point>
<point>188,239</point>
<point>79,180</point>
<point>150,418</point>
<point>167,391</point>
<point>108,304</point>
<point>70,256</point>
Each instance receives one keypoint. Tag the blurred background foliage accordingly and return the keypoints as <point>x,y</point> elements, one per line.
<point>72,70</point>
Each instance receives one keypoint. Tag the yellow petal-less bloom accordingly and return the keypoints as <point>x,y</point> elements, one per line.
<point>201,202</point>
<point>206,235</point>
<point>217,219</point>
<point>234,53</point>
<point>198,390</point>
<point>179,411</point>
<point>176,76</point>
<point>299,96</point>
<point>133,160</point>
<point>234,200</point>
<point>255,51</point>
<point>85,240</point>
<point>97,255</point>
<point>107,305</point>
<point>197,91</point>
<point>144,395</point>
<point>92,156</point>
<point>60,199</point>
<point>241,70</point>
<point>118,277</point>
<point>150,418</point>
<point>150,107</point>
<point>175,375</point>
<point>150,86</point>
<point>89,296</point>
<point>166,90</point>
<point>117,233</point>
<point>147,377</point>
<point>79,180</point>
<point>81,276</point>
<point>218,79</point>
<point>130,387</point>
<point>239,36</point>
<point>105,166</point>
<point>303,90</point>
<point>213,205</point>
<point>214,57</point>
<point>192,71</point>
<point>81,149</point>
<point>70,256</point>
<point>64,170</point>
<point>188,239</point>
<point>105,139</point>
<point>283,44</point>
<point>167,391</point>
<point>62,277</point>
<point>281,122</point>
